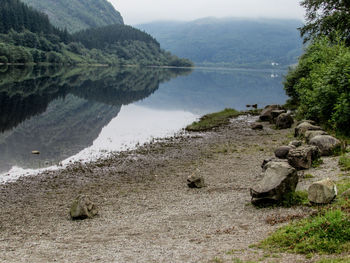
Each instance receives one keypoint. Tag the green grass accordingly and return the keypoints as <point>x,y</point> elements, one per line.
<point>325,233</point>
<point>335,260</point>
<point>213,120</point>
<point>344,162</point>
<point>295,199</point>
<point>316,163</point>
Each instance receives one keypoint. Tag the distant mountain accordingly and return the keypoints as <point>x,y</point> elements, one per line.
<point>76,15</point>
<point>237,42</point>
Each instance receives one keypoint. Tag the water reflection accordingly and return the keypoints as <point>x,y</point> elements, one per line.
<point>206,90</point>
<point>61,111</point>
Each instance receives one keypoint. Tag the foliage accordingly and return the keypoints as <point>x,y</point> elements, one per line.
<point>213,120</point>
<point>14,15</point>
<point>295,199</point>
<point>325,17</point>
<point>320,85</point>
<point>101,37</point>
<point>344,162</point>
<point>324,233</point>
<point>76,15</point>
<point>231,42</point>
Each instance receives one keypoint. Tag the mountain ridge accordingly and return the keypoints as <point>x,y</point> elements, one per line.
<point>230,41</point>
<point>76,15</point>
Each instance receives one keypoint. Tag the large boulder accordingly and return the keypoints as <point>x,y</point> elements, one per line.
<point>278,180</point>
<point>275,114</point>
<point>266,112</point>
<point>310,134</point>
<point>303,156</point>
<point>283,151</point>
<point>322,192</point>
<point>272,159</point>
<point>327,144</point>
<point>304,127</point>
<point>284,121</point>
<point>83,208</point>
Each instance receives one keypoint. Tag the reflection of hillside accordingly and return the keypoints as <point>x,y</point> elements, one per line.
<point>62,111</point>
<point>27,92</point>
<point>209,91</point>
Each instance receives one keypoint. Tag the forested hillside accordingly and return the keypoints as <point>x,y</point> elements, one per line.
<point>77,15</point>
<point>26,36</point>
<point>234,42</point>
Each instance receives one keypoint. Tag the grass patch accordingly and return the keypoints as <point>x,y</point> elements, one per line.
<point>335,260</point>
<point>325,233</point>
<point>316,163</point>
<point>344,162</point>
<point>308,176</point>
<point>296,198</point>
<point>213,120</point>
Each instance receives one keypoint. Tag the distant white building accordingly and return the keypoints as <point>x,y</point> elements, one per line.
<point>274,64</point>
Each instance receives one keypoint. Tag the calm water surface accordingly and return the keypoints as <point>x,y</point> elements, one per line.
<point>80,114</point>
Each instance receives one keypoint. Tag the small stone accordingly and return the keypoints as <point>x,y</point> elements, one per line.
<point>326,143</point>
<point>302,157</point>
<point>195,181</point>
<point>272,159</point>
<point>35,152</point>
<point>311,134</point>
<point>308,121</point>
<point>282,152</point>
<point>296,143</point>
<point>257,126</point>
<point>304,127</point>
<point>322,192</point>
<point>83,208</point>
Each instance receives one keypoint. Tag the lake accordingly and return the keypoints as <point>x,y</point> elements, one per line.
<point>81,114</point>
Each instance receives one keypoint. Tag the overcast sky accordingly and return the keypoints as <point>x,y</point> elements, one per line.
<point>141,11</point>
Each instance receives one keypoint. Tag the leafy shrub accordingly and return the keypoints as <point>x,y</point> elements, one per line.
<point>320,85</point>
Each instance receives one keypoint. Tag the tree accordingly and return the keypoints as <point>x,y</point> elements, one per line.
<point>326,17</point>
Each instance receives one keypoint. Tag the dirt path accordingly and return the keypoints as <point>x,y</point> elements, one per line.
<point>147,213</point>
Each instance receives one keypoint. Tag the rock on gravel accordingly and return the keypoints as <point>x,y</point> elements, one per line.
<point>304,127</point>
<point>284,121</point>
<point>311,134</point>
<point>296,143</point>
<point>266,112</point>
<point>279,179</point>
<point>322,192</point>
<point>283,151</point>
<point>82,208</point>
<point>195,181</point>
<point>326,143</point>
<point>257,126</point>
<point>302,157</point>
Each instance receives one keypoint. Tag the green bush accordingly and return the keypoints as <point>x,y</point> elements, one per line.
<point>320,85</point>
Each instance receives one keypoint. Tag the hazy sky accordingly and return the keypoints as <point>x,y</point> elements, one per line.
<point>140,11</point>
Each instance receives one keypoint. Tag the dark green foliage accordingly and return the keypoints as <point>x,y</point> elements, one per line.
<point>320,85</point>
<point>17,16</point>
<point>324,233</point>
<point>76,15</point>
<point>231,42</point>
<point>102,37</point>
<point>325,17</point>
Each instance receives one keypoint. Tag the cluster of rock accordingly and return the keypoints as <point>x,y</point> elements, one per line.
<point>279,176</point>
<point>277,115</point>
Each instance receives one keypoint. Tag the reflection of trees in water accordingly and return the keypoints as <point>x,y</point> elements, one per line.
<point>64,109</point>
<point>25,92</point>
